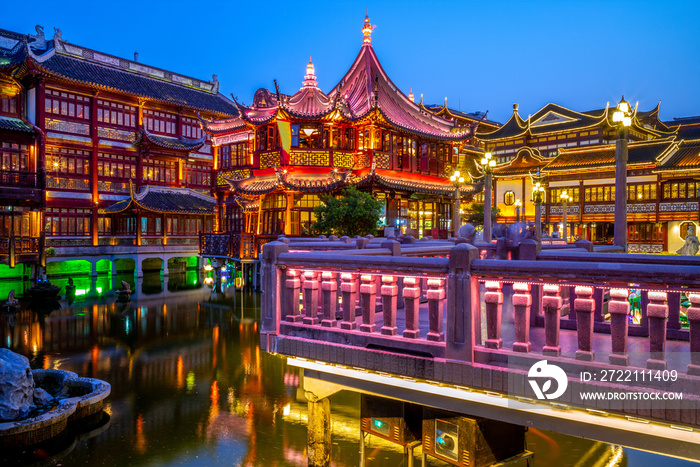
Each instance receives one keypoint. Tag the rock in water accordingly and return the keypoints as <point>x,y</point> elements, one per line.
<point>16,386</point>
<point>41,397</point>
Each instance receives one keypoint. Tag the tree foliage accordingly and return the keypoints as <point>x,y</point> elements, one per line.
<point>474,213</point>
<point>352,213</point>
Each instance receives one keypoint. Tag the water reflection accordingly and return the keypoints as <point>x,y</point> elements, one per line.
<point>190,385</point>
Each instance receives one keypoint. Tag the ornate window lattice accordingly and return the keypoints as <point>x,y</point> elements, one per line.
<point>270,159</point>
<point>382,161</point>
<point>343,159</point>
<point>315,158</point>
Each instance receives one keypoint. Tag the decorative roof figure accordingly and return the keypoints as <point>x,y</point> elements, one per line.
<point>310,76</point>
<point>367,30</point>
<point>39,40</point>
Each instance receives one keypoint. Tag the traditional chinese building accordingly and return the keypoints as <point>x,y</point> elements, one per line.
<point>285,149</point>
<point>576,152</point>
<point>117,144</point>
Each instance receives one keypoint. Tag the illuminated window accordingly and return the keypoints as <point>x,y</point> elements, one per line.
<point>509,198</point>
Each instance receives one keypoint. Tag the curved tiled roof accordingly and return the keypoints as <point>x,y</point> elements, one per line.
<point>685,158</point>
<point>524,161</point>
<point>603,156</point>
<point>169,200</point>
<point>80,65</point>
<point>15,124</point>
<point>404,181</point>
<point>167,142</point>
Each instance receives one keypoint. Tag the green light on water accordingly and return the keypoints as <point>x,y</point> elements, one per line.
<point>190,380</point>
<point>99,290</point>
<point>81,291</point>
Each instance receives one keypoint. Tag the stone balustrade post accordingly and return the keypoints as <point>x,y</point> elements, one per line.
<point>463,329</point>
<point>657,313</point>
<point>493,298</point>
<point>411,300</point>
<point>329,288</point>
<point>389,291</point>
<point>293,285</point>
<point>368,299</point>
<point>522,300</point>
<point>272,284</point>
<point>551,304</point>
<point>619,309</point>
<point>694,321</point>
<point>378,282</point>
<point>311,297</point>
<point>585,308</point>
<point>348,290</point>
<point>436,302</point>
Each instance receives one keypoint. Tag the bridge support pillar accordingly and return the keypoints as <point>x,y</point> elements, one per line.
<point>319,421</point>
<point>522,300</point>
<point>329,289</point>
<point>493,298</point>
<point>657,313</point>
<point>463,305</point>
<point>389,291</point>
<point>694,320</point>
<point>348,290</point>
<point>619,309</point>
<point>585,306</point>
<point>368,298</point>
<point>551,303</point>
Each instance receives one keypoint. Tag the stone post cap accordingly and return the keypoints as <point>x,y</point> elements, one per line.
<point>584,244</point>
<point>393,246</point>
<point>273,249</point>
<point>361,243</point>
<point>345,239</point>
<point>333,238</point>
<point>322,236</point>
<point>407,240</point>
<point>462,255</point>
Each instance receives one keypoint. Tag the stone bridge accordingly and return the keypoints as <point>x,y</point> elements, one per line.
<point>436,324</point>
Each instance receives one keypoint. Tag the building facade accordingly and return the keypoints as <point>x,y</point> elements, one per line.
<point>285,150</point>
<point>113,147</point>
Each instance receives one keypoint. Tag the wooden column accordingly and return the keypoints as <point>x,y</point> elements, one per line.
<point>348,289</point>
<point>436,302</point>
<point>619,309</point>
<point>585,307</point>
<point>389,291</point>
<point>522,300</point>
<point>551,304</point>
<point>657,313</point>
<point>329,289</point>
<point>411,300</point>
<point>94,182</point>
<point>292,308</point>
<point>493,298</point>
<point>368,299</point>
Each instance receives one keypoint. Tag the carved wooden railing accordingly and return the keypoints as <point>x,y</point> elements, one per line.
<point>19,179</point>
<point>229,245</point>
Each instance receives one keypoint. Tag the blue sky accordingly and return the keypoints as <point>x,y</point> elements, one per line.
<point>480,55</point>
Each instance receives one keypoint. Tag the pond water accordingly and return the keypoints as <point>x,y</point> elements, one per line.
<point>190,385</point>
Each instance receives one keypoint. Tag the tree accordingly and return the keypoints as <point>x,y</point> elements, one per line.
<point>474,213</point>
<point>352,213</point>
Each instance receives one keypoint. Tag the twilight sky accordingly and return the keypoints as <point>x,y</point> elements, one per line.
<point>480,55</point>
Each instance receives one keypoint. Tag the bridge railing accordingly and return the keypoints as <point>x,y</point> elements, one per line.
<point>317,296</point>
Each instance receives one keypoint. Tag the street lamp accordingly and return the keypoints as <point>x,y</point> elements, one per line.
<point>622,118</point>
<point>538,199</point>
<point>517,205</point>
<point>564,197</point>
<point>487,165</point>
<point>457,181</point>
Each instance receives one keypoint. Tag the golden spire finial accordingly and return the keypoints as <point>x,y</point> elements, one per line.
<point>367,30</point>
<point>411,96</point>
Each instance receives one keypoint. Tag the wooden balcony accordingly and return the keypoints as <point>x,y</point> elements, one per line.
<point>25,188</point>
<point>240,246</point>
<point>14,250</point>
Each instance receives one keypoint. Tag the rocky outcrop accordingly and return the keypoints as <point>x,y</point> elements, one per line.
<point>16,386</point>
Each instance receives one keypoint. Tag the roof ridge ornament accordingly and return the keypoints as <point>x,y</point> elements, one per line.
<point>367,29</point>
<point>310,76</point>
<point>411,96</point>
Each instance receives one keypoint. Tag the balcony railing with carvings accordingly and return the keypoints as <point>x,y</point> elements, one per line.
<point>242,246</point>
<point>20,245</point>
<point>12,178</point>
<point>349,311</point>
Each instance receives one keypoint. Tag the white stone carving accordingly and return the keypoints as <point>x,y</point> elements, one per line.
<point>106,59</point>
<point>679,207</point>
